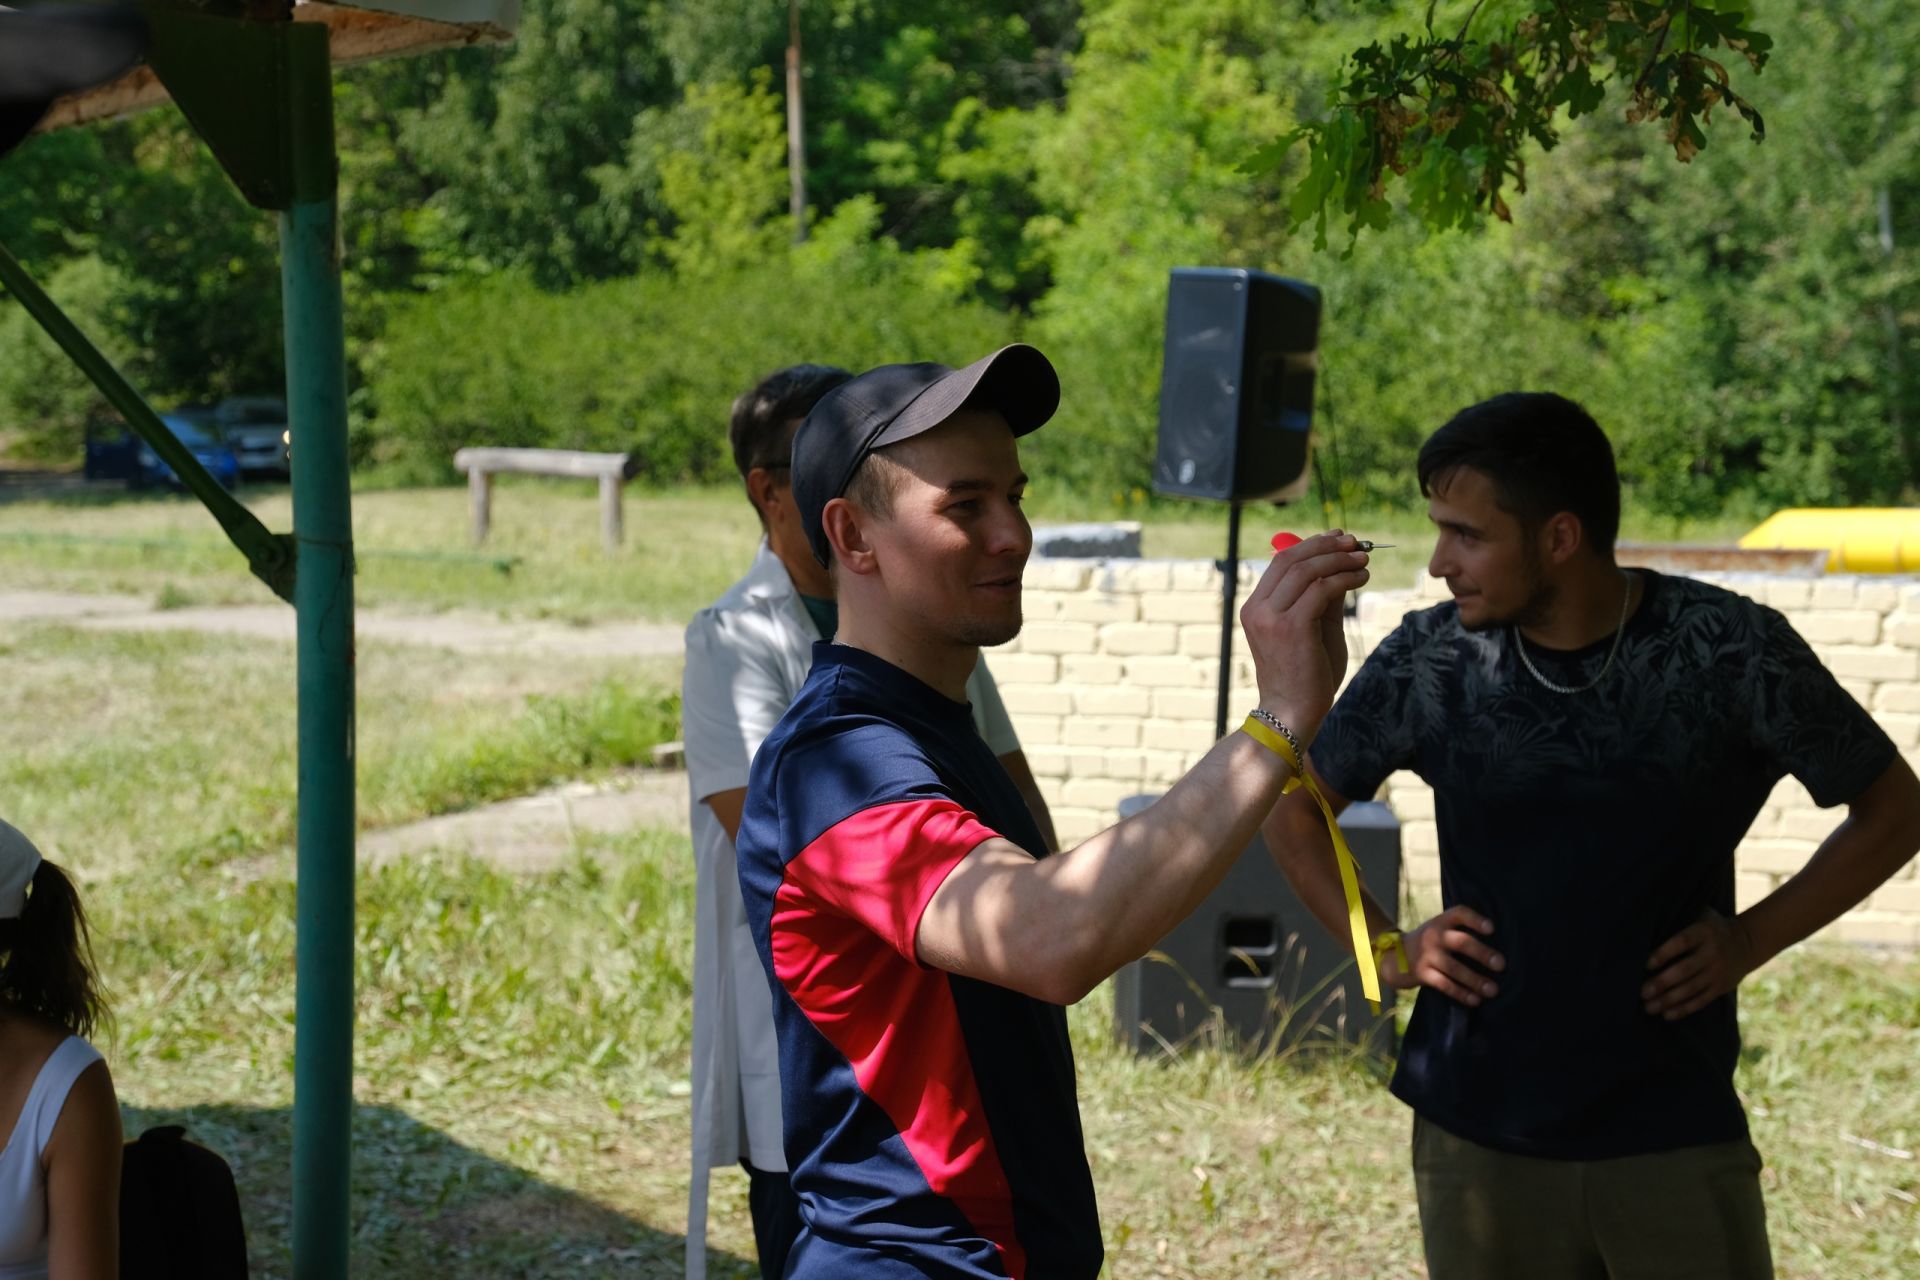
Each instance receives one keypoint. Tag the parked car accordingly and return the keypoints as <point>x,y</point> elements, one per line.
<point>114,452</point>
<point>256,430</point>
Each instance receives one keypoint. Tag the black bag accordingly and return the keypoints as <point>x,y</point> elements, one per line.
<point>179,1211</point>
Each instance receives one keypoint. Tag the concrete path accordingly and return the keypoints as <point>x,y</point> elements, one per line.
<point>539,832</point>
<point>531,833</point>
<point>67,606</point>
<point>465,631</point>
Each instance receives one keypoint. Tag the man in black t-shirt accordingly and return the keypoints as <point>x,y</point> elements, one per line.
<point>1598,742</point>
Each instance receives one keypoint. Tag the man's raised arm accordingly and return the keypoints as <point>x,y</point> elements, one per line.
<point>1054,928</point>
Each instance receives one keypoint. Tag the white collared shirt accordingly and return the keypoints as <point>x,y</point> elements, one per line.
<point>748,653</point>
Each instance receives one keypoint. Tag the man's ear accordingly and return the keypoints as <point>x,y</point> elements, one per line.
<point>763,489</point>
<point>846,529</point>
<point>1562,536</point>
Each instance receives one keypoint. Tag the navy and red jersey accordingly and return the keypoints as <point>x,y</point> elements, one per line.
<point>930,1119</point>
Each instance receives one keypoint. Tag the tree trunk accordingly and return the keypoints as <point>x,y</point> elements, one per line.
<point>796,139</point>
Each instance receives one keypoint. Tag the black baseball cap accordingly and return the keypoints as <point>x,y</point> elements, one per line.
<point>54,49</point>
<point>899,401</point>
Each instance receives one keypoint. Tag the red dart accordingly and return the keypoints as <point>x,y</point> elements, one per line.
<point>1283,540</point>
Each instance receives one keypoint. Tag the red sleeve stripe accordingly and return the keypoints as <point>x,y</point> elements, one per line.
<point>881,866</point>
<point>843,925</point>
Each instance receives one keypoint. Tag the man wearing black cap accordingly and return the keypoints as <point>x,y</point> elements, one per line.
<point>747,656</point>
<point>918,942</point>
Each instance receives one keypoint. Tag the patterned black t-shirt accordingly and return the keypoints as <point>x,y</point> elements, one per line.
<point>1590,828</point>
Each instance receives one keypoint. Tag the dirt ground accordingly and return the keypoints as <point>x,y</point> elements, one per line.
<point>461,630</point>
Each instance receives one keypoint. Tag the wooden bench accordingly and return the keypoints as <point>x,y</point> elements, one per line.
<point>612,470</point>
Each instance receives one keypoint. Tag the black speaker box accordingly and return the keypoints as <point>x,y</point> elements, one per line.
<point>1236,385</point>
<point>1254,955</point>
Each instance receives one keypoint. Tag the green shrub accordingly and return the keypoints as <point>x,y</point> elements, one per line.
<point>651,363</point>
<point>45,401</point>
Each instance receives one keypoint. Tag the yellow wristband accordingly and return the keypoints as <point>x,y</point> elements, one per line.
<point>1363,952</point>
<point>1267,738</point>
<point>1390,940</point>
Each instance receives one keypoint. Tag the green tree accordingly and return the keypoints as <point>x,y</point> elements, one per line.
<point>201,267</point>
<point>1456,108</point>
<point>395,232</point>
<point>52,189</point>
<point>518,139</point>
<point>1804,267</point>
<point>46,401</point>
<point>716,165</point>
<point>648,363</point>
<point>1139,173</point>
<point>920,104</point>
<point>135,227</point>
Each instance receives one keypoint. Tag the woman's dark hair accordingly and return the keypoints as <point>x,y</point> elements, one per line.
<point>48,965</point>
<point>1544,453</point>
<point>759,430</point>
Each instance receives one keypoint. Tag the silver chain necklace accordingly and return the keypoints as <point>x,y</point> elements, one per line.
<point>1619,631</point>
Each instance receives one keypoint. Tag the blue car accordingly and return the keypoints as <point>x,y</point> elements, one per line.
<point>118,454</point>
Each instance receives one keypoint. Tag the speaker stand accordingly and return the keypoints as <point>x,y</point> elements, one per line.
<point>1229,581</point>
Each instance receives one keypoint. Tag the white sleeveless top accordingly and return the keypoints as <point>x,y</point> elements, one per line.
<point>23,1183</point>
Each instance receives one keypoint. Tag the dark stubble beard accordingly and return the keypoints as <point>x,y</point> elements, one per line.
<point>1535,609</point>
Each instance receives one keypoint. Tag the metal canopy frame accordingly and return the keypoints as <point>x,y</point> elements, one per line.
<point>255,80</point>
<point>358,33</point>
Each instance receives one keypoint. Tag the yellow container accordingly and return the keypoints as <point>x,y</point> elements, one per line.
<point>1856,539</point>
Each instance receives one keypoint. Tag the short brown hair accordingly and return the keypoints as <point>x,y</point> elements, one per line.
<point>875,483</point>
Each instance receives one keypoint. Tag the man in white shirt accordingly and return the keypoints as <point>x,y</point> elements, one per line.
<point>747,655</point>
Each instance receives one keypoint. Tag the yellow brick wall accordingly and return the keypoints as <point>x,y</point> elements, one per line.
<point>1112,686</point>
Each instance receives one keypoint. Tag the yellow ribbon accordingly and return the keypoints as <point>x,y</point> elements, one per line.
<point>1342,855</point>
<point>1391,940</point>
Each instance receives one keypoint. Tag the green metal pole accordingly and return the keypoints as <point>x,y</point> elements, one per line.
<point>323,601</point>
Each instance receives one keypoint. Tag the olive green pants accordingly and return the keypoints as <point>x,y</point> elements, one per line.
<point>1691,1214</point>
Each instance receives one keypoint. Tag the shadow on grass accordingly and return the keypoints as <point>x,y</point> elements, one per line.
<point>426,1205</point>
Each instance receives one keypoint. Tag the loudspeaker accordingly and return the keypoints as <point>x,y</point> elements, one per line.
<point>1254,955</point>
<point>1236,385</point>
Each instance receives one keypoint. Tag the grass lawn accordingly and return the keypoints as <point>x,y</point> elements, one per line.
<point>681,550</point>
<point>683,546</point>
<point>523,1043</point>
<point>177,749</point>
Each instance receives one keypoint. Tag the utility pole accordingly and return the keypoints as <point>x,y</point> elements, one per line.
<point>1896,381</point>
<point>796,137</point>
<point>1890,317</point>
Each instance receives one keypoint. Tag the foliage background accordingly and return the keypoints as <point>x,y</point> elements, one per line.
<point>582,239</point>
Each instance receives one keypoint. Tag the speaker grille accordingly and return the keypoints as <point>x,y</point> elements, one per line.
<point>1236,389</point>
<point>1200,386</point>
